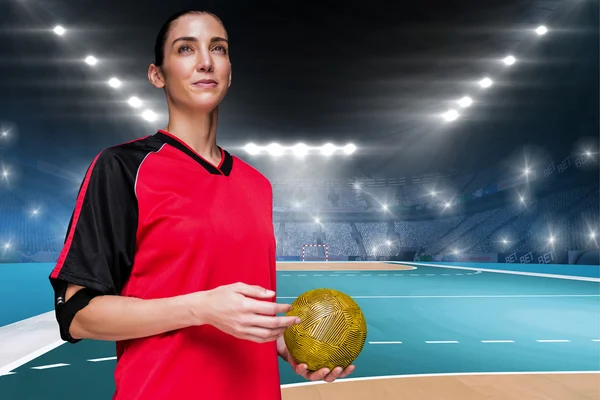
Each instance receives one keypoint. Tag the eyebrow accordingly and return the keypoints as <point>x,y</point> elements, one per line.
<point>193,39</point>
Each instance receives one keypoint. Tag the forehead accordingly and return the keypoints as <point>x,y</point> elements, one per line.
<point>201,26</point>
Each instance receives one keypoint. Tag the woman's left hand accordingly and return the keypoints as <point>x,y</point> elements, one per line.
<point>301,369</point>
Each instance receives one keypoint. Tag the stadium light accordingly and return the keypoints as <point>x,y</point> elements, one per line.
<point>91,60</point>
<point>465,102</point>
<point>252,149</point>
<point>59,30</point>
<point>509,60</point>
<point>451,115</point>
<point>486,83</point>
<point>7,246</point>
<point>357,186</point>
<point>149,115</point>
<point>448,204</point>
<point>135,102</point>
<point>4,133</point>
<point>275,149</point>
<point>327,149</point>
<point>541,30</point>
<point>433,193</point>
<point>522,199</point>
<point>592,235</point>
<point>384,207</point>
<point>317,220</point>
<point>300,150</point>
<point>114,83</point>
<point>388,243</point>
<point>588,153</point>
<point>349,148</point>
<point>551,239</point>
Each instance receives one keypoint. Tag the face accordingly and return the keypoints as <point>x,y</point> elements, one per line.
<point>196,71</point>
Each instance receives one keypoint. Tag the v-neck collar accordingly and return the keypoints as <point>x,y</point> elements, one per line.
<point>224,167</point>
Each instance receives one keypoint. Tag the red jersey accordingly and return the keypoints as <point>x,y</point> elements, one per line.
<point>153,219</point>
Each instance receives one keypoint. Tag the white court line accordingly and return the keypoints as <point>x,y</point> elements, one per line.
<point>370,378</point>
<point>491,296</point>
<point>302,275</point>
<point>497,341</point>
<point>334,275</point>
<point>102,359</point>
<point>440,341</point>
<point>351,275</point>
<point>385,342</point>
<point>318,274</point>
<point>595,340</point>
<point>366,275</point>
<point>381,274</point>
<point>285,275</point>
<point>553,341</point>
<point>31,356</point>
<point>501,271</point>
<point>50,366</point>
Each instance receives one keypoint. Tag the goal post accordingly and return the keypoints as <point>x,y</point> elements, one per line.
<point>317,246</point>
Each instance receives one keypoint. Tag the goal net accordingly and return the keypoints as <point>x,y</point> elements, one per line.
<point>315,252</point>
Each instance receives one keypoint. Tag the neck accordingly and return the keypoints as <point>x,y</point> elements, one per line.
<point>198,131</point>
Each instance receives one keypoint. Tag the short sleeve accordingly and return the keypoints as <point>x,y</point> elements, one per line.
<point>100,243</point>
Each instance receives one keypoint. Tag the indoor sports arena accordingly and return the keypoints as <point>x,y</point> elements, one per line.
<point>433,168</point>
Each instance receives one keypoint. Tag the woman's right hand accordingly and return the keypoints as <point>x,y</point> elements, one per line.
<point>243,311</point>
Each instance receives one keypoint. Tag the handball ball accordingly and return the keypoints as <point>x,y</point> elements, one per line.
<point>332,331</point>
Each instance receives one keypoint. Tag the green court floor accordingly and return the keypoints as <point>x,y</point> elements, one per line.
<point>427,320</point>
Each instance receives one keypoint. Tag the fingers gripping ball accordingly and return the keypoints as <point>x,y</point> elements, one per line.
<point>332,331</point>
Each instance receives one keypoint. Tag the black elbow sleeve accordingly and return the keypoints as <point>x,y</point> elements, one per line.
<point>66,310</point>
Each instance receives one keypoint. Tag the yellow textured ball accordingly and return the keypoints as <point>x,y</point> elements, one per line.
<point>332,331</point>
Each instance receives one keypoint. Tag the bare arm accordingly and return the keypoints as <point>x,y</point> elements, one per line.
<point>237,309</point>
<point>115,318</point>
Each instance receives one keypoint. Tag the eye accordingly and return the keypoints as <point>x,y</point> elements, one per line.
<point>183,47</point>
<point>222,49</point>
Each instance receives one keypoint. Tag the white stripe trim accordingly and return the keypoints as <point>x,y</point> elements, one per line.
<point>385,342</point>
<point>440,341</point>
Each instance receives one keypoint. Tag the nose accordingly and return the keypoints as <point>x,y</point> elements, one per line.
<point>205,62</point>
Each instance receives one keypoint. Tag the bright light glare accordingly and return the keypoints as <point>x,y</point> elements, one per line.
<point>451,115</point>
<point>252,149</point>
<point>149,115</point>
<point>134,102</point>
<point>486,83</point>
<point>465,102</point>
<point>275,149</point>
<point>349,148</point>
<point>541,30</point>
<point>328,149</point>
<point>300,150</point>
<point>114,83</point>
<point>91,60</point>
<point>509,60</point>
<point>59,30</point>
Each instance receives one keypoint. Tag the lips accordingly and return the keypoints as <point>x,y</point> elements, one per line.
<point>205,82</point>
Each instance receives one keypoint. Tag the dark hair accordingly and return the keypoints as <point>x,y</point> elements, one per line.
<point>159,45</point>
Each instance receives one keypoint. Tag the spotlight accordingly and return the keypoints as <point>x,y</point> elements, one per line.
<point>59,30</point>
<point>349,148</point>
<point>465,102</point>
<point>300,150</point>
<point>252,149</point>
<point>451,115</point>
<point>593,235</point>
<point>149,115</point>
<point>134,102</point>
<point>275,150</point>
<point>114,83</point>
<point>328,149</point>
<point>541,30</point>
<point>509,60</point>
<point>317,220</point>
<point>486,83</point>
<point>91,60</point>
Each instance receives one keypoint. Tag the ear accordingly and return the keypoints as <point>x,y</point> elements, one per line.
<point>155,76</point>
<point>229,80</point>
